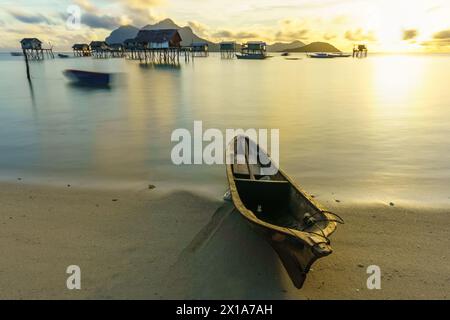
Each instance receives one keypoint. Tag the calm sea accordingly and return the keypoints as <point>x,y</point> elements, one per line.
<point>375,129</point>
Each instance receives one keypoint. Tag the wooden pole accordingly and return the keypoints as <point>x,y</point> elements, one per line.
<point>26,63</point>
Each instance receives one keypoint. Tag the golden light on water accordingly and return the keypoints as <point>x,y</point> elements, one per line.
<point>396,80</point>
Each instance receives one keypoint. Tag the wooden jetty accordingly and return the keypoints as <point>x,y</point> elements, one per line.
<point>100,49</point>
<point>116,50</point>
<point>161,46</point>
<point>81,50</point>
<point>227,49</point>
<point>200,49</point>
<point>360,51</point>
<point>186,52</point>
<point>131,48</point>
<point>32,48</point>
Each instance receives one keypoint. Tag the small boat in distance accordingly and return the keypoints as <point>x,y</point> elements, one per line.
<point>17,54</point>
<point>320,55</point>
<point>285,54</point>
<point>251,56</point>
<point>341,55</point>
<point>88,77</point>
<point>63,56</point>
<point>296,227</point>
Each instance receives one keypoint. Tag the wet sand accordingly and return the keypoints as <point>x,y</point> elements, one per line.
<point>161,243</point>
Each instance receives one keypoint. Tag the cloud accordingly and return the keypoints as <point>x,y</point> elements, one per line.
<point>85,5</point>
<point>359,35</point>
<point>329,36</point>
<point>30,18</point>
<point>290,30</point>
<point>437,43</point>
<point>440,39</point>
<point>100,21</point>
<point>235,35</point>
<point>135,12</point>
<point>442,35</point>
<point>410,34</point>
<point>199,28</point>
<point>305,5</point>
<point>143,4</point>
<point>292,35</point>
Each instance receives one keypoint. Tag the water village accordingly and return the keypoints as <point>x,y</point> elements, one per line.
<point>159,47</point>
<point>163,46</point>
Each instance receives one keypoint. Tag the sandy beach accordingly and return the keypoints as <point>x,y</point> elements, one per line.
<point>161,243</point>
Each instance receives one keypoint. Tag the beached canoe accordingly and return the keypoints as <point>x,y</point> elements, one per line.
<point>63,56</point>
<point>88,77</point>
<point>296,226</point>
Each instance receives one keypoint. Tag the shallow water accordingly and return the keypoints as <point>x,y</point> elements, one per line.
<point>372,129</point>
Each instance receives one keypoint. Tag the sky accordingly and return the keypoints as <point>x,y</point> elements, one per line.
<point>383,25</point>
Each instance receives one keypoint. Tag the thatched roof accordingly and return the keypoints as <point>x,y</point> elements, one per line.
<point>80,46</point>
<point>200,44</point>
<point>98,44</point>
<point>130,41</point>
<point>159,36</point>
<point>262,43</point>
<point>116,46</point>
<point>228,45</point>
<point>28,40</point>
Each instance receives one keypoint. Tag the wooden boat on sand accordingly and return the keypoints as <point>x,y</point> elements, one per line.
<point>295,225</point>
<point>63,56</point>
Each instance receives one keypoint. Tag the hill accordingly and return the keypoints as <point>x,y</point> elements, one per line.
<point>121,34</point>
<point>187,35</point>
<point>282,46</point>
<point>316,47</point>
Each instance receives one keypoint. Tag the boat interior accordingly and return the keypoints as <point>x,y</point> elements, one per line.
<point>272,198</point>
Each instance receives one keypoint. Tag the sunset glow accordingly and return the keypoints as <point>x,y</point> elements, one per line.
<point>384,25</point>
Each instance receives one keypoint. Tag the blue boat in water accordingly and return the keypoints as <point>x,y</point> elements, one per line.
<point>88,77</point>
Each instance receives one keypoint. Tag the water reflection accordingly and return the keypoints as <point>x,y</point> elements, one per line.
<point>376,126</point>
<point>160,66</point>
<point>88,87</point>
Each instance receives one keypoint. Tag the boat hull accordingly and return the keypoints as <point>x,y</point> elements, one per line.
<point>297,249</point>
<point>88,78</point>
<point>251,56</point>
<point>321,56</point>
<point>296,255</point>
<point>342,55</point>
